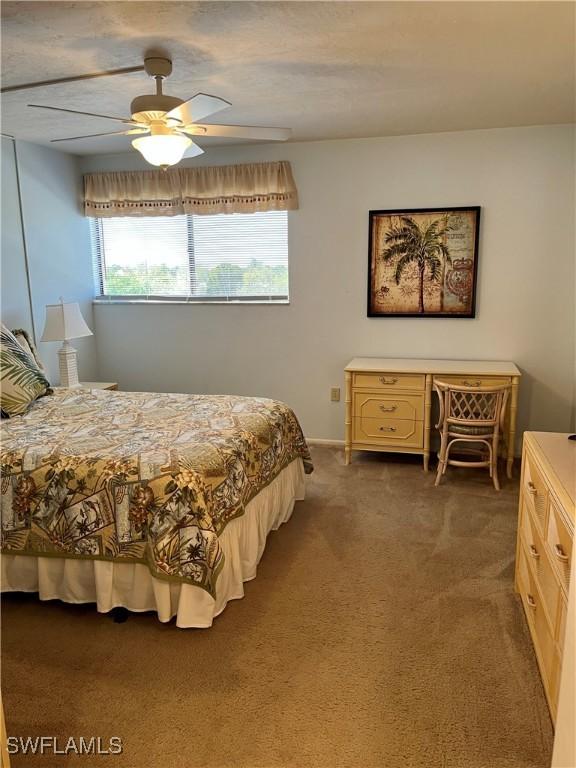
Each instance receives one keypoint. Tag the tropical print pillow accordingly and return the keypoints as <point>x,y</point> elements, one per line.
<point>23,338</point>
<point>21,380</point>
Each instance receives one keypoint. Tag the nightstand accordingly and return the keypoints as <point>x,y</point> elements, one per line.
<point>98,385</point>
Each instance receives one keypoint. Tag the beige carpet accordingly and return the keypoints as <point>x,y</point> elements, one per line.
<point>382,632</point>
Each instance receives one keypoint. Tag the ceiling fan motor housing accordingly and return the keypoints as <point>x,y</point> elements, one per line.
<point>142,106</point>
<point>154,106</point>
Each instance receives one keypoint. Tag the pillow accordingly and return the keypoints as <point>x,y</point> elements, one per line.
<point>27,345</point>
<point>20,378</point>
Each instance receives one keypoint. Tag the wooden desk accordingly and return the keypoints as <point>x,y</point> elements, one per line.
<point>389,400</point>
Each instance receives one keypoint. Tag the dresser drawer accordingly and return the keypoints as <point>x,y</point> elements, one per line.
<point>555,685</point>
<point>474,381</point>
<point>539,629</point>
<point>560,543</point>
<point>535,491</point>
<point>561,626</point>
<point>389,380</point>
<point>542,571</point>
<point>381,405</point>
<point>393,432</point>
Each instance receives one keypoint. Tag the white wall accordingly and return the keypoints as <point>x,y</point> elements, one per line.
<point>524,180</point>
<point>57,242</point>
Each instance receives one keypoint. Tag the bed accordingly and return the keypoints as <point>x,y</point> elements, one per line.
<point>146,501</point>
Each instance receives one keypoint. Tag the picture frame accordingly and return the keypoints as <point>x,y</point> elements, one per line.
<point>423,262</point>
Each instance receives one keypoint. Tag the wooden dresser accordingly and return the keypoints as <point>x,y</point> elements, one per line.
<point>389,400</point>
<point>544,547</point>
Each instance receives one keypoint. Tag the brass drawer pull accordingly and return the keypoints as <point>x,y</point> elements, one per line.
<point>384,380</point>
<point>534,552</point>
<point>532,488</point>
<point>531,602</point>
<point>471,383</point>
<point>387,429</point>
<point>560,554</point>
<point>388,409</point>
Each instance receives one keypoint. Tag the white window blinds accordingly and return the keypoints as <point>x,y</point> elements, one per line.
<point>223,257</point>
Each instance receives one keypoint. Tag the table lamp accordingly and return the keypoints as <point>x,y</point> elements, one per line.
<point>65,322</point>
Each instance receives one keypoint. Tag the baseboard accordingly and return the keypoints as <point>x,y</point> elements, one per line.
<point>340,444</point>
<point>323,441</point>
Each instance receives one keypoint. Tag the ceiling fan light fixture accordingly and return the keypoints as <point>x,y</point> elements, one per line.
<point>162,150</point>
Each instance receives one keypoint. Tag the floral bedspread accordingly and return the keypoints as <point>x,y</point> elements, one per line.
<point>140,477</point>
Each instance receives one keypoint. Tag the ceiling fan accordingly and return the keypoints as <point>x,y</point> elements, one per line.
<point>165,123</point>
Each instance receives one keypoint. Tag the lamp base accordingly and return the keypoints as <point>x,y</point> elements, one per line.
<point>68,366</point>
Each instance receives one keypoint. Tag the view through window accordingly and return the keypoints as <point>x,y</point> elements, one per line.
<point>228,257</point>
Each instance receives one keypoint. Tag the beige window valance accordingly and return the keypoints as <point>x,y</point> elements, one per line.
<point>202,190</point>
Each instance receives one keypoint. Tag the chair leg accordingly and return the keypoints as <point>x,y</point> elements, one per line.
<point>494,464</point>
<point>438,473</point>
<point>446,455</point>
<point>495,475</point>
<point>441,459</point>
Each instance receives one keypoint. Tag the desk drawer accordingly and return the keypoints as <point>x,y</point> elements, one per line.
<point>394,432</point>
<point>378,405</point>
<point>390,381</point>
<point>560,542</point>
<point>474,381</point>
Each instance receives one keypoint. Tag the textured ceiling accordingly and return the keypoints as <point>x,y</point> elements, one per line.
<point>325,69</point>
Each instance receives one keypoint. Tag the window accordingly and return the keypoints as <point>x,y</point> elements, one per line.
<point>224,257</point>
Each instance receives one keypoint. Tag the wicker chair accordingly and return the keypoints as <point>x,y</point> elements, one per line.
<point>470,415</point>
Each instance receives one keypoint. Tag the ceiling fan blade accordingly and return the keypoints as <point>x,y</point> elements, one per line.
<point>193,150</point>
<point>239,132</point>
<point>76,112</point>
<point>109,133</point>
<point>73,79</point>
<point>198,107</point>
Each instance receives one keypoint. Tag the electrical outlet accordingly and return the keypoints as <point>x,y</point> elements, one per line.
<point>335,394</point>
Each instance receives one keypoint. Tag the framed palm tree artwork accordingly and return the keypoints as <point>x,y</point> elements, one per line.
<point>423,262</point>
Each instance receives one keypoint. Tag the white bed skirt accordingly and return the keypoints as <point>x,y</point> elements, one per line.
<point>132,586</point>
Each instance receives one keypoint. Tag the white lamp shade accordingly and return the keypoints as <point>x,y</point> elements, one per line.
<point>165,150</point>
<point>63,322</point>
